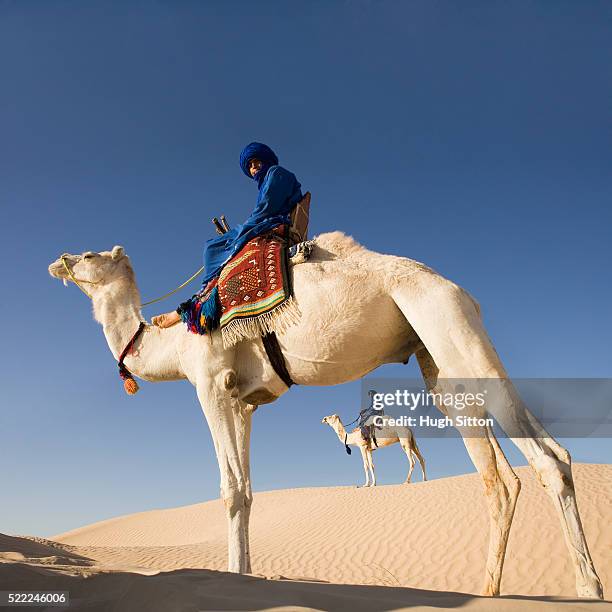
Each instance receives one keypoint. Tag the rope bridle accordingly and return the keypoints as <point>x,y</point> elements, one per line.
<point>159,299</point>
<point>75,280</point>
<point>131,386</point>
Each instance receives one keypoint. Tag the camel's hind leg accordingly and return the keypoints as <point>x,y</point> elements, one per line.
<point>417,453</point>
<point>553,468</point>
<point>447,320</point>
<point>501,484</point>
<point>405,444</point>
<point>502,488</point>
<point>414,449</point>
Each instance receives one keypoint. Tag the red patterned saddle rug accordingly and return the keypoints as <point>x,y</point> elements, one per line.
<point>254,290</point>
<point>252,296</point>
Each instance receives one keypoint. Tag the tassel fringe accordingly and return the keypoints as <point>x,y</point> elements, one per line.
<point>249,328</point>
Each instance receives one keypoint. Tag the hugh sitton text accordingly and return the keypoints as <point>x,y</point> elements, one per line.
<point>439,422</point>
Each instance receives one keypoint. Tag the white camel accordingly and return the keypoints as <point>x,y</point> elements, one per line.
<point>385,436</point>
<point>360,310</point>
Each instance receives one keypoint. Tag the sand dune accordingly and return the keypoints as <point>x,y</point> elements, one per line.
<point>391,547</point>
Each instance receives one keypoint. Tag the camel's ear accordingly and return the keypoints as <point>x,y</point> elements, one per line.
<point>117,252</point>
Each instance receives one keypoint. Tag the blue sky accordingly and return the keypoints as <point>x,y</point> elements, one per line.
<point>472,136</point>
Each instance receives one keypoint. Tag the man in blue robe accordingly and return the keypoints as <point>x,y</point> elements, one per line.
<point>367,423</point>
<point>279,192</point>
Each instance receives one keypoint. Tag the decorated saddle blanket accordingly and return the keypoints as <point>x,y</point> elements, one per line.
<point>252,295</point>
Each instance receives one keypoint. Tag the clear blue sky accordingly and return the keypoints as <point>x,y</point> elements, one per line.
<point>472,136</point>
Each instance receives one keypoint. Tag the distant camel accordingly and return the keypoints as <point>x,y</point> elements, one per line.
<point>388,435</point>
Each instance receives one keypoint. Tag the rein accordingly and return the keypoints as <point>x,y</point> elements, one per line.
<point>159,299</point>
<point>163,297</point>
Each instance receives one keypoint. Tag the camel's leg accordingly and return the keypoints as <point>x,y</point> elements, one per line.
<point>242,421</point>
<point>371,464</point>
<point>413,447</point>
<point>553,468</point>
<point>366,465</point>
<point>502,488</point>
<point>231,446</point>
<point>405,444</point>
<point>448,323</point>
<point>501,484</point>
<point>416,451</point>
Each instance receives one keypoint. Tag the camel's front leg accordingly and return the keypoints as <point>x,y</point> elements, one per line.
<point>366,467</point>
<point>229,421</point>
<point>371,464</point>
<point>243,427</point>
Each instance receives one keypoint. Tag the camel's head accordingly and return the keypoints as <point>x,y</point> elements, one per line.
<point>92,270</point>
<point>331,420</point>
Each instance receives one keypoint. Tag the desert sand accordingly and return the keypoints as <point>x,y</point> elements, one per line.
<point>416,547</point>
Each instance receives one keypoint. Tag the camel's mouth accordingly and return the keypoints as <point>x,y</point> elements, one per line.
<point>58,270</point>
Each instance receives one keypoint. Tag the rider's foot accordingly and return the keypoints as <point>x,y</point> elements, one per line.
<point>166,320</point>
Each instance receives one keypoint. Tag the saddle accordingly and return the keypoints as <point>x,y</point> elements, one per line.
<point>298,228</point>
<point>300,216</point>
<point>368,432</point>
<point>297,234</point>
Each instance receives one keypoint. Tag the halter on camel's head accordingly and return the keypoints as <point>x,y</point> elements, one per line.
<point>79,268</point>
<point>97,269</point>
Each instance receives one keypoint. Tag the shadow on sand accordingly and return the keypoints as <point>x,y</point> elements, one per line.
<point>30,565</point>
<point>194,590</point>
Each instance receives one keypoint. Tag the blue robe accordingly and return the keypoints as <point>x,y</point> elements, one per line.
<point>279,192</point>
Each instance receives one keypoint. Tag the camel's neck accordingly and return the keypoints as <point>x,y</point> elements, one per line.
<point>119,317</point>
<point>340,431</point>
<point>117,309</point>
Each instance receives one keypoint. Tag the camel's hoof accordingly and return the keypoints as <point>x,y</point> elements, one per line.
<point>590,590</point>
<point>490,590</point>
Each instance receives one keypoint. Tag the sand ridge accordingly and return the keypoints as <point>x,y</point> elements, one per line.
<point>423,542</point>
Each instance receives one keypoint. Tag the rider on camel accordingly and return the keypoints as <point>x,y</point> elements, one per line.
<point>367,423</point>
<point>279,192</point>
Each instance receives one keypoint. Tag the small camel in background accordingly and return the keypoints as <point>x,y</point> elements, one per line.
<point>386,436</point>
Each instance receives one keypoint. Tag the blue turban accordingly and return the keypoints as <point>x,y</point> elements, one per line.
<point>262,152</point>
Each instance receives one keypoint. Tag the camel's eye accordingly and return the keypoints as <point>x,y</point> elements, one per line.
<point>89,255</point>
